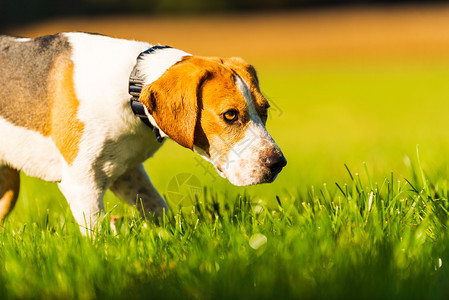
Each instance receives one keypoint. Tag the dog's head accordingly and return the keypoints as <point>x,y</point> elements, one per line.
<point>215,107</point>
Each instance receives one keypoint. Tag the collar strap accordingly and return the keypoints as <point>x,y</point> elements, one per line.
<point>136,83</point>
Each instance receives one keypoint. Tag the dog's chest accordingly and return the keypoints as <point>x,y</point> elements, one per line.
<point>118,154</point>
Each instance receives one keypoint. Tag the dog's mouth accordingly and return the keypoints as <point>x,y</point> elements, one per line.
<point>246,172</point>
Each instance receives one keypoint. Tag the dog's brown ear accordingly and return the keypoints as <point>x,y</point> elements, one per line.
<point>172,100</point>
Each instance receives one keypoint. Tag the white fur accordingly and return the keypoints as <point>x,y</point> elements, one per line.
<point>40,159</point>
<point>22,40</point>
<point>244,164</point>
<point>154,64</point>
<point>101,75</point>
<point>114,138</point>
<point>243,87</point>
<point>102,69</point>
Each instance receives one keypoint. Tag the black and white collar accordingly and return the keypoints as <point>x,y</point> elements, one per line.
<point>136,83</point>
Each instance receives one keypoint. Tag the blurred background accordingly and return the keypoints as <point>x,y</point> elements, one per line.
<point>24,11</point>
<point>349,81</point>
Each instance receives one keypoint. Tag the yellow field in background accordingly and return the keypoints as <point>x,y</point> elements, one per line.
<point>412,32</point>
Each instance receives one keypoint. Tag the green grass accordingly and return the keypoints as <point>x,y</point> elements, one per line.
<point>374,230</point>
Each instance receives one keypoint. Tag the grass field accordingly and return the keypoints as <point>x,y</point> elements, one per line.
<point>360,212</point>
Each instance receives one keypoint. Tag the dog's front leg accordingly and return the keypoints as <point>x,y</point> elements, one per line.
<point>85,198</point>
<point>9,190</point>
<point>135,188</point>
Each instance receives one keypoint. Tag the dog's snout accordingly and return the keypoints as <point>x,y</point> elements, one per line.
<point>275,163</point>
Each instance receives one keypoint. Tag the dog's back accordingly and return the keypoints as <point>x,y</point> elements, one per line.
<point>25,103</point>
<point>50,91</point>
<point>55,88</point>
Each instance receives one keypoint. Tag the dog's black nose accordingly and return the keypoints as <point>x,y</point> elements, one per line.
<point>276,163</point>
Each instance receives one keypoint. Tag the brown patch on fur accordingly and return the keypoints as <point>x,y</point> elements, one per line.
<point>172,100</point>
<point>37,92</point>
<point>9,190</point>
<point>23,80</point>
<point>66,129</point>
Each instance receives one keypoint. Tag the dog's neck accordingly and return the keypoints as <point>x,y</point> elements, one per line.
<point>150,65</point>
<point>153,62</point>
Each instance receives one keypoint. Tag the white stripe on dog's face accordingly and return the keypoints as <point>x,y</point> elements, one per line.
<point>246,161</point>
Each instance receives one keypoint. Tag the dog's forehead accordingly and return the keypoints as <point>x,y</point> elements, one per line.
<point>222,93</point>
<point>229,72</point>
<point>248,75</point>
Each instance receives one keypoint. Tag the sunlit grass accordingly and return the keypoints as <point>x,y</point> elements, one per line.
<point>358,238</point>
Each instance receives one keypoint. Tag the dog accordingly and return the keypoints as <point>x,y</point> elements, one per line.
<point>86,110</point>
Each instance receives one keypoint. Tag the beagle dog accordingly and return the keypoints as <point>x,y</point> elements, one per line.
<point>86,110</point>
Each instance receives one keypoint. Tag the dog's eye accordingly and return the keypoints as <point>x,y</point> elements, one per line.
<point>230,116</point>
